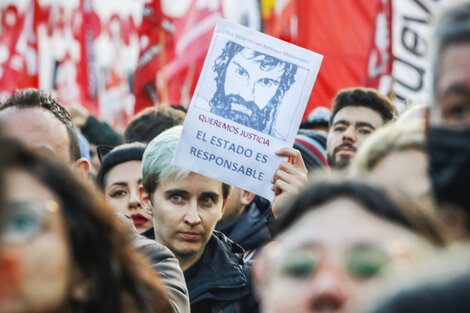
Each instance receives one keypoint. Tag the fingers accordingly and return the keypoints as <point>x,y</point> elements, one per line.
<point>126,222</point>
<point>294,156</point>
<point>296,180</point>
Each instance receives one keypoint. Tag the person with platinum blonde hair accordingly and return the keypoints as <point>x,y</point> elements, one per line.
<point>186,208</point>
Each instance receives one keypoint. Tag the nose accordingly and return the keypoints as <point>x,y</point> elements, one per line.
<point>134,201</point>
<point>349,135</point>
<point>331,289</point>
<point>192,215</point>
<point>248,92</point>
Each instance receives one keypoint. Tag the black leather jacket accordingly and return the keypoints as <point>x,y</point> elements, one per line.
<point>219,282</point>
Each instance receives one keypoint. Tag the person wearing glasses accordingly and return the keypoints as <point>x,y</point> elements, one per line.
<point>64,248</point>
<point>336,238</point>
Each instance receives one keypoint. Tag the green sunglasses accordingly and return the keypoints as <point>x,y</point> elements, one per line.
<point>25,219</point>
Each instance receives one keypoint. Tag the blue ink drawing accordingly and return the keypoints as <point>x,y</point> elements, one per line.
<point>250,87</point>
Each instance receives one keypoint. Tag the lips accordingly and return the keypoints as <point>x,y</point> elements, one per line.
<point>345,148</point>
<point>139,219</point>
<point>241,108</point>
<point>190,236</point>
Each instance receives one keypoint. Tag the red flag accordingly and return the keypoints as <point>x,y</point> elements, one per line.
<point>344,32</point>
<point>285,16</point>
<point>150,35</point>
<point>380,55</point>
<point>193,34</point>
<point>19,39</point>
<point>86,33</point>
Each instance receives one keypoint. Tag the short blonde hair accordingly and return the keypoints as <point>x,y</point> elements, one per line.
<point>387,140</point>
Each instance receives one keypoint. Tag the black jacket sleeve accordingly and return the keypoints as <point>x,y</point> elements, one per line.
<point>100,133</point>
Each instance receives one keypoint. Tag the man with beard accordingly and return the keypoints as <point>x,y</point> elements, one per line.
<point>250,87</point>
<point>449,116</point>
<point>356,113</point>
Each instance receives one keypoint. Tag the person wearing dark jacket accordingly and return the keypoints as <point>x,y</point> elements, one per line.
<point>219,281</point>
<point>186,207</point>
<point>249,229</point>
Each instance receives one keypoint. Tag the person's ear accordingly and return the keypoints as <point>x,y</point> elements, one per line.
<point>246,197</point>
<point>82,167</point>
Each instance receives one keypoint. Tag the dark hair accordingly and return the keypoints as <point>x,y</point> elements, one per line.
<point>269,62</point>
<point>120,280</point>
<point>152,121</point>
<point>449,297</point>
<point>452,28</point>
<point>363,97</point>
<point>179,107</point>
<point>33,98</point>
<point>395,208</point>
<point>120,154</point>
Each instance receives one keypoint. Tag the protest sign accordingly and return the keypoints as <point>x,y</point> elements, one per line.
<point>248,103</point>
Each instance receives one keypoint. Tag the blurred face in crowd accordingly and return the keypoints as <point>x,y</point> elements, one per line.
<point>37,127</point>
<point>350,127</point>
<point>322,262</point>
<point>449,128</point>
<point>36,249</point>
<point>122,193</point>
<point>185,214</point>
<point>453,88</point>
<point>237,201</point>
<point>406,170</point>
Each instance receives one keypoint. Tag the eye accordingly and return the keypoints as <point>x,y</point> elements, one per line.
<point>456,110</point>
<point>365,131</point>
<point>339,129</point>
<point>367,261</point>
<point>207,200</point>
<point>22,224</point>
<point>459,112</point>
<point>176,198</point>
<point>266,82</point>
<point>241,71</point>
<point>118,193</point>
<point>298,265</point>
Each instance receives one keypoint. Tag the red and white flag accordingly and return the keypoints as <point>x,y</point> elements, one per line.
<point>193,34</point>
<point>87,78</point>
<point>152,41</point>
<point>19,48</point>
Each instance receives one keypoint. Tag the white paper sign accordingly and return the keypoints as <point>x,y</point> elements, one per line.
<point>248,103</point>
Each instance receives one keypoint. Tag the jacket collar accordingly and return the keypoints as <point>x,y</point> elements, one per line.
<point>219,269</point>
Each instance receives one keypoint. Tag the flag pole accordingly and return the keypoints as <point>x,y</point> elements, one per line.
<point>162,67</point>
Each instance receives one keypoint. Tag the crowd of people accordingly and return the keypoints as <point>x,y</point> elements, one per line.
<point>370,211</point>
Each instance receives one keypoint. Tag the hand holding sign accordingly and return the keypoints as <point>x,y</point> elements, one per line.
<point>289,179</point>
